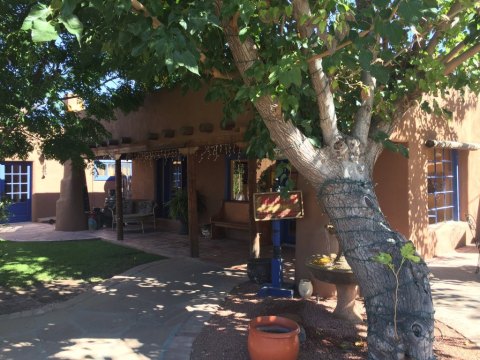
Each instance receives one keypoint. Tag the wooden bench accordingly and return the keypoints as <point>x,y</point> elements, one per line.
<point>136,211</point>
<point>232,215</point>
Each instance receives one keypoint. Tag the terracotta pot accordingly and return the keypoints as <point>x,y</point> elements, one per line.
<point>273,338</point>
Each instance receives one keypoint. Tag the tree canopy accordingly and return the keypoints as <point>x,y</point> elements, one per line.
<point>37,77</point>
<point>328,80</point>
<point>409,47</point>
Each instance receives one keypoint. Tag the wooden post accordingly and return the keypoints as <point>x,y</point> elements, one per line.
<point>192,204</point>
<point>118,197</point>
<point>252,188</point>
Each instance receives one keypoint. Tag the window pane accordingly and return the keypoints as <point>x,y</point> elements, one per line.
<point>441,185</point>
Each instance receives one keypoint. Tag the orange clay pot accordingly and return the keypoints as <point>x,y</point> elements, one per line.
<point>273,338</point>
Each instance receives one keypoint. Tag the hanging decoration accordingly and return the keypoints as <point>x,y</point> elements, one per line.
<point>212,152</point>
<point>156,154</point>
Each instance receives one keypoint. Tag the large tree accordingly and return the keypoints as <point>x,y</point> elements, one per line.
<point>329,81</point>
<point>38,77</point>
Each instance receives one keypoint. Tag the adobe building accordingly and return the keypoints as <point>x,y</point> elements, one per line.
<point>425,196</point>
<point>178,141</point>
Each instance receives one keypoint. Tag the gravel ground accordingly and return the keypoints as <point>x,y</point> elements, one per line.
<point>325,337</point>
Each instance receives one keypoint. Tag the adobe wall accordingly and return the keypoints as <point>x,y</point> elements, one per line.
<point>390,177</point>
<point>432,240</point>
<point>173,110</point>
<point>46,178</point>
<point>312,238</point>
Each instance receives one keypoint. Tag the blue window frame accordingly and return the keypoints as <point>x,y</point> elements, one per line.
<point>442,177</point>
<point>108,169</point>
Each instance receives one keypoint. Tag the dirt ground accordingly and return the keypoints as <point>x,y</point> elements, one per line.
<point>323,336</point>
<point>36,296</point>
<point>225,335</point>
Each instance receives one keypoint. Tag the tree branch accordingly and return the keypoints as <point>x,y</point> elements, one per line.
<point>338,47</point>
<point>455,9</point>
<point>454,63</point>
<point>138,6</point>
<point>301,7</point>
<point>301,153</point>
<point>320,82</point>
<point>364,113</point>
<point>454,52</point>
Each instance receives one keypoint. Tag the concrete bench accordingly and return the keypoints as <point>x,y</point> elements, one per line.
<point>233,215</point>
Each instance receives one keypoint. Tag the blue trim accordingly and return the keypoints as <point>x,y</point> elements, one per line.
<point>456,195</point>
<point>454,191</point>
<point>228,171</point>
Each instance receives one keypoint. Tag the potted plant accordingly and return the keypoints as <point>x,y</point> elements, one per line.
<point>178,208</point>
<point>4,212</point>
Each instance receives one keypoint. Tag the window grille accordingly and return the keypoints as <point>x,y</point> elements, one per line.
<point>442,181</point>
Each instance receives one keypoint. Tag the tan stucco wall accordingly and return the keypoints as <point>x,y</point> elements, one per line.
<point>143,179</point>
<point>390,176</point>
<point>174,110</point>
<point>46,177</point>
<point>312,238</point>
<point>434,240</point>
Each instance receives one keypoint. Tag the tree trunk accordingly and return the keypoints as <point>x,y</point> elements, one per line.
<point>363,233</point>
<point>400,314</point>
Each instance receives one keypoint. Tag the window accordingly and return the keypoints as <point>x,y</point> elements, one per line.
<point>17,182</point>
<point>442,180</point>
<point>102,173</point>
<point>176,174</point>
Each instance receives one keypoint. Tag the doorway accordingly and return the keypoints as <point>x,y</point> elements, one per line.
<point>15,184</point>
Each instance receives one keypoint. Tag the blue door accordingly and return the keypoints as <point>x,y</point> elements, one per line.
<point>15,184</point>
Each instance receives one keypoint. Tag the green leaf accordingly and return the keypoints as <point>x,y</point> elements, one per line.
<point>73,25</point>
<point>382,74</point>
<point>292,76</point>
<point>408,252</point>
<point>365,58</point>
<point>43,31</point>
<point>38,12</point>
<point>315,142</point>
<point>242,34</point>
<point>383,258</point>
<point>410,10</point>
<point>68,7</point>
<point>187,60</point>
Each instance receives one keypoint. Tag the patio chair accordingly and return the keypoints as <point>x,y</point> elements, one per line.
<point>476,238</point>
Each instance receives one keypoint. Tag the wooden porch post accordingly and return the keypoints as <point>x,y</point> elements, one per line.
<point>192,203</point>
<point>118,197</point>
<point>252,188</point>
